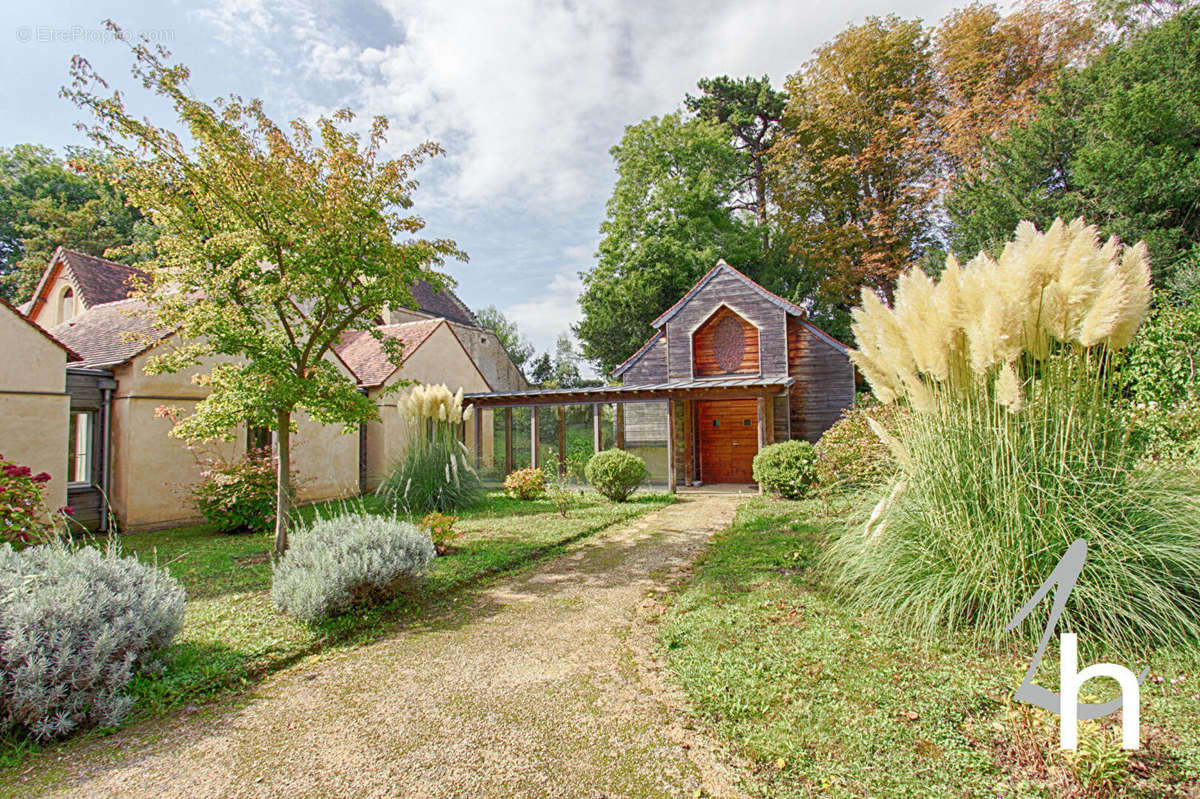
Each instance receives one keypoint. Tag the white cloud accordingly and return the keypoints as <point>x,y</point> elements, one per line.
<point>544,317</point>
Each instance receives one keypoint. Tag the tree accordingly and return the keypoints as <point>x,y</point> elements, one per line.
<point>855,170</point>
<point>271,247</point>
<point>993,69</point>
<point>668,221</point>
<point>518,346</point>
<point>751,110</point>
<point>46,202</point>
<point>1117,142</point>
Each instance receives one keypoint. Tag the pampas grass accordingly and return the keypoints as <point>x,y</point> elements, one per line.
<point>1016,449</point>
<point>435,473</point>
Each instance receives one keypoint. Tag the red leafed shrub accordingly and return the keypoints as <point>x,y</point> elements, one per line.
<point>238,495</point>
<point>24,517</point>
<point>526,484</point>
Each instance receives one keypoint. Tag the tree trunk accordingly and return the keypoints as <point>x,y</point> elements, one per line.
<point>283,482</point>
<point>760,201</point>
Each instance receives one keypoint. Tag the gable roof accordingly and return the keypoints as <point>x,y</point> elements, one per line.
<point>97,281</point>
<point>71,354</point>
<point>724,268</point>
<point>365,356</point>
<point>444,303</point>
<point>637,356</point>
<point>112,333</point>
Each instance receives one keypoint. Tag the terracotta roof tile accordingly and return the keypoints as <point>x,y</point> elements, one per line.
<point>365,356</point>
<point>99,334</point>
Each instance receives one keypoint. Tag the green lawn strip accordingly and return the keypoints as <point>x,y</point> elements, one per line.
<point>823,700</point>
<point>233,636</point>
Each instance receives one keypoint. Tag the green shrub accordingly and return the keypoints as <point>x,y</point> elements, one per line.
<point>850,455</point>
<point>75,626</point>
<point>238,496</point>
<point>1016,448</point>
<point>1167,434</point>
<point>441,530</point>
<point>615,473</point>
<point>335,564</point>
<point>526,484</point>
<point>787,469</point>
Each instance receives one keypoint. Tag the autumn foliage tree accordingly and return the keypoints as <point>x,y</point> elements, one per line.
<point>854,171</point>
<point>272,244</point>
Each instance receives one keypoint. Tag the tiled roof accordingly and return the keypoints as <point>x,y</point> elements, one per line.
<point>444,303</point>
<point>100,333</point>
<point>721,266</point>
<point>71,354</point>
<point>365,356</point>
<point>99,280</point>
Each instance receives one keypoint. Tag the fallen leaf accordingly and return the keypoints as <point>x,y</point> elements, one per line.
<point>911,715</point>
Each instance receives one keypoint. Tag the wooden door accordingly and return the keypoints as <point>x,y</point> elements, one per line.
<point>728,440</point>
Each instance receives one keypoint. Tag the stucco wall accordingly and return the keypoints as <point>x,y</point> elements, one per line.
<point>440,359</point>
<point>153,474</point>
<point>34,406</point>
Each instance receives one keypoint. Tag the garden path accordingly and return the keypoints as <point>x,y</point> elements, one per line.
<point>548,684</point>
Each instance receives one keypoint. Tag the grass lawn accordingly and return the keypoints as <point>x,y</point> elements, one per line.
<point>824,701</point>
<point>233,636</point>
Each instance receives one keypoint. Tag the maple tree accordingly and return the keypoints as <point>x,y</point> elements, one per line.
<point>271,246</point>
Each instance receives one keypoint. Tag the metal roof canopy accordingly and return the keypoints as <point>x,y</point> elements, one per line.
<point>714,388</point>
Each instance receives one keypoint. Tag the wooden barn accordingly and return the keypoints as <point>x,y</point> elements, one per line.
<point>730,369</point>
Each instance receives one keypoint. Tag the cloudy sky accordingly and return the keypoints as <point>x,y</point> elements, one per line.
<point>527,96</point>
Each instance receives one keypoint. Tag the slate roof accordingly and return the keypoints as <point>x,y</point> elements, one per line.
<point>71,354</point>
<point>365,356</point>
<point>100,334</point>
<point>97,280</point>
<point>444,303</point>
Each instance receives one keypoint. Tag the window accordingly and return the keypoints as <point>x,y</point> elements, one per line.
<point>259,438</point>
<point>79,463</point>
<point>66,306</point>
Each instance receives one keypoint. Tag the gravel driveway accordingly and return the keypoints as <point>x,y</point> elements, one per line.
<point>546,685</point>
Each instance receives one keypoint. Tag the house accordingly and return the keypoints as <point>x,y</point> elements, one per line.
<point>730,368</point>
<point>143,476</point>
<point>36,428</point>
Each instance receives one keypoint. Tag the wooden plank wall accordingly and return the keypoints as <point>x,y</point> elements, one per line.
<point>705,357</point>
<point>651,368</point>
<point>824,384</point>
<point>746,301</point>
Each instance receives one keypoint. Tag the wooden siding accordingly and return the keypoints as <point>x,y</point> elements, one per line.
<point>728,440</point>
<point>824,384</point>
<point>729,289</point>
<point>703,350</point>
<point>651,368</point>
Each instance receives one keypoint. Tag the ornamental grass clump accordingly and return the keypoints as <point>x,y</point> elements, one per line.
<point>435,473</point>
<point>354,559</point>
<point>1016,447</point>
<point>76,625</point>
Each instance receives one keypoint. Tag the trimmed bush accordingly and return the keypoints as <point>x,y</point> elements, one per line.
<point>238,496</point>
<point>526,484</point>
<point>615,473</point>
<point>75,626</point>
<point>787,469</point>
<point>850,455</point>
<point>335,564</point>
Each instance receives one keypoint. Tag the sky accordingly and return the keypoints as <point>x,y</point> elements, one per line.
<point>526,96</point>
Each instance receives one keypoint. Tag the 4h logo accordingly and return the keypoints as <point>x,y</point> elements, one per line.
<point>1068,707</point>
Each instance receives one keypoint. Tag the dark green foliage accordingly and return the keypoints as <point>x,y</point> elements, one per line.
<point>615,473</point>
<point>787,469</point>
<point>850,455</point>
<point>44,204</point>
<point>1163,365</point>
<point>668,222</point>
<point>238,496</point>
<point>1117,142</point>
